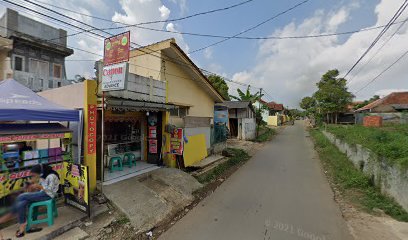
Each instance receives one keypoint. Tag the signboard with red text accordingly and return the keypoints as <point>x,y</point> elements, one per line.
<point>114,77</point>
<point>116,49</point>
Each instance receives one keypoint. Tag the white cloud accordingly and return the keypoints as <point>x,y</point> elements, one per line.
<point>208,53</point>
<point>289,69</point>
<point>137,11</point>
<point>164,12</point>
<point>385,92</point>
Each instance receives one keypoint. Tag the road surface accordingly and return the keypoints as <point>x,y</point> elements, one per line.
<point>281,193</point>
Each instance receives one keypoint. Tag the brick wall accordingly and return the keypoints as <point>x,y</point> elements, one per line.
<point>372,121</point>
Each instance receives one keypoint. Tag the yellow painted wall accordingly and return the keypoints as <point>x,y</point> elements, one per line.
<point>185,90</point>
<point>273,120</point>
<point>145,64</point>
<point>195,150</point>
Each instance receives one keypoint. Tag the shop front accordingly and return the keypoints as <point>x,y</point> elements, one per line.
<point>32,133</point>
<point>132,138</point>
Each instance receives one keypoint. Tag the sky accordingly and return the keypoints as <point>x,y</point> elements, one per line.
<point>286,69</point>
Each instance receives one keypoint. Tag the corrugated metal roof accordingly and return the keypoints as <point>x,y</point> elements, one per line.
<point>236,104</point>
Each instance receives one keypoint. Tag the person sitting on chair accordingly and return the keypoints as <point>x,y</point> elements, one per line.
<point>46,189</point>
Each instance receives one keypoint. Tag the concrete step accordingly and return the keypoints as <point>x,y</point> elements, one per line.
<point>73,234</point>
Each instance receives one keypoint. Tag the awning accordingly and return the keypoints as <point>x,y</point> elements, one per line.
<point>32,128</point>
<point>128,105</point>
<point>18,102</point>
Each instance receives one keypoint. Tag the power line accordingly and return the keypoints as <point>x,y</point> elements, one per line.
<point>392,20</point>
<point>253,27</point>
<point>221,36</point>
<point>94,28</point>
<point>157,21</point>
<point>378,50</point>
<point>382,72</point>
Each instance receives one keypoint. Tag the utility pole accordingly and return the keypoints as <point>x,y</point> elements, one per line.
<point>259,111</point>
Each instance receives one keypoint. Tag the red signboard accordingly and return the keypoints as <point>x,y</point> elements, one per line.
<point>153,146</point>
<point>176,142</point>
<point>116,49</point>
<point>92,115</point>
<point>152,132</point>
<point>17,138</point>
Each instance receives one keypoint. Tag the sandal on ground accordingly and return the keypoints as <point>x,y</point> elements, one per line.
<point>34,230</point>
<point>20,234</point>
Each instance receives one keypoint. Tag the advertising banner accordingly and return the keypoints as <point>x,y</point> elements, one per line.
<point>76,186</point>
<point>20,138</point>
<point>116,49</point>
<point>91,134</point>
<point>221,117</point>
<point>176,142</point>
<point>114,77</point>
<point>153,146</point>
<point>12,183</point>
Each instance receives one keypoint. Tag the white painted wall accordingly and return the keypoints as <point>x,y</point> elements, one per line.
<point>248,128</point>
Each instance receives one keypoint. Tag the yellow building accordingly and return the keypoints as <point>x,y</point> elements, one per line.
<point>187,87</point>
<point>164,89</point>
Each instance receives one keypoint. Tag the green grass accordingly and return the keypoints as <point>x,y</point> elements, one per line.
<point>390,141</point>
<point>352,183</point>
<point>239,156</point>
<point>265,134</point>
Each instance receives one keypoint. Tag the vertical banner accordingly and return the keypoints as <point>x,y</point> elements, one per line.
<point>176,142</point>
<point>76,186</point>
<point>152,132</point>
<point>90,131</point>
<point>152,146</point>
<point>92,116</point>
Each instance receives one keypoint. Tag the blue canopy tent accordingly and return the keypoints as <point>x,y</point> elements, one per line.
<point>18,102</point>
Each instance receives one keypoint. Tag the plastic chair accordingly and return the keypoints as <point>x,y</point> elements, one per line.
<point>115,164</point>
<point>129,159</point>
<point>33,213</point>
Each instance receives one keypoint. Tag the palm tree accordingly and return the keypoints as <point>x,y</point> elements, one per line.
<point>247,96</point>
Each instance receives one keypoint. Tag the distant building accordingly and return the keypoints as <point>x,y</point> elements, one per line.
<point>38,52</point>
<point>242,119</point>
<point>394,102</point>
<point>392,108</point>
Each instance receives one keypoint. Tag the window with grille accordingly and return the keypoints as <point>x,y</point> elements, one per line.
<point>18,63</point>
<point>57,71</point>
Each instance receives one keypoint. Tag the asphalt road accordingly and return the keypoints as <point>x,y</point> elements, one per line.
<point>281,193</point>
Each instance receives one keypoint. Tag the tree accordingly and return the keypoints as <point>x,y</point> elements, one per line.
<point>247,96</point>
<point>374,98</point>
<point>308,103</point>
<point>332,96</point>
<point>219,83</point>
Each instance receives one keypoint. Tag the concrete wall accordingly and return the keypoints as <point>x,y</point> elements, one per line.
<point>17,22</point>
<point>248,128</point>
<point>71,96</point>
<point>391,179</point>
<point>142,89</point>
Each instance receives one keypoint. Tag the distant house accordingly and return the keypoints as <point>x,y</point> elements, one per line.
<point>242,119</point>
<point>390,107</point>
<point>394,102</point>
<point>36,52</point>
<point>276,109</point>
